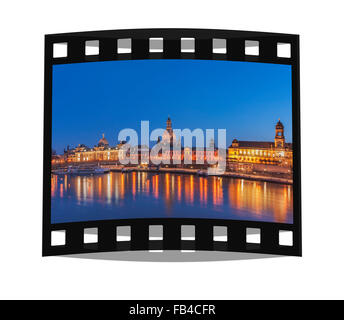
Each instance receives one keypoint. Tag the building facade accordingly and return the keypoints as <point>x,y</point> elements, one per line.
<point>276,156</point>
<point>276,153</point>
<point>182,155</point>
<point>100,152</point>
<point>137,155</point>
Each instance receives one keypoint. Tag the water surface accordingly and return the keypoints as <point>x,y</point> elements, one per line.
<point>117,195</point>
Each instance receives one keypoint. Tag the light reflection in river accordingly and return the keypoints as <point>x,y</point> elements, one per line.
<point>140,194</point>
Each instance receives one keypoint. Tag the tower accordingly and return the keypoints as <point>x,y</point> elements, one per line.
<point>279,137</point>
<point>168,137</point>
<point>169,125</point>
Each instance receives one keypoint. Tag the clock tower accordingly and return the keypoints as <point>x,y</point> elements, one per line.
<point>279,137</point>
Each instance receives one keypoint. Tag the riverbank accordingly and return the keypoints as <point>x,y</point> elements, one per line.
<point>235,175</point>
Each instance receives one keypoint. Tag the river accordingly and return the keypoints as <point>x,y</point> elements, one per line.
<point>117,195</point>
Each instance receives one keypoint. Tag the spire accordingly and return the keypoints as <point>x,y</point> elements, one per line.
<point>279,124</point>
<point>103,135</point>
<point>169,124</point>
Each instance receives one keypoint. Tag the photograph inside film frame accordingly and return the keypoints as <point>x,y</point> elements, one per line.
<point>172,139</point>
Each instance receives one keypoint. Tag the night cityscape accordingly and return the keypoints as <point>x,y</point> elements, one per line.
<point>91,180</point>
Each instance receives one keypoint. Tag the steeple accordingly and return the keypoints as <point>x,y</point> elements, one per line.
<point>168,136</point>
<point>169,125</point>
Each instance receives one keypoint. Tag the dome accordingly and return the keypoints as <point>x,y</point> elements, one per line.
<point>235,141</point>
<point>103,141</point>
<point>279,125</point>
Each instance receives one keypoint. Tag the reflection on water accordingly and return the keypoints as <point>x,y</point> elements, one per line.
<point>119,195</point>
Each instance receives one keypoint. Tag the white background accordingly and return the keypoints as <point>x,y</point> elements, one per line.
<point>25,274</point>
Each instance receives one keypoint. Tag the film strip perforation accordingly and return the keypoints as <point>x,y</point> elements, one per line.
<point>185,236</point>
<point>158,46</point>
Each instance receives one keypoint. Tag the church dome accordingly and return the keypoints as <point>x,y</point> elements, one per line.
<point>279,125</point>
<point>103,141</point>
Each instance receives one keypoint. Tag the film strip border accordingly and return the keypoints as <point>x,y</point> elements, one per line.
<point>172,44</point>
<point>172,234</point>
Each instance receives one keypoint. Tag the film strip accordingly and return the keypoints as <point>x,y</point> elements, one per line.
<point>171,233</point>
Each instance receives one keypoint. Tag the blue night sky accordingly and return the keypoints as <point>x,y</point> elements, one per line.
<point>246,98</point>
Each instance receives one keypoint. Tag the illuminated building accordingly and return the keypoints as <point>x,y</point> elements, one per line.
<point>191,155</point>
<point>139,155</point>
<point>168,136</point>
<point>277,153</point>
<point>100,152</point>
<point>245,156</point>
<point>176,154</point>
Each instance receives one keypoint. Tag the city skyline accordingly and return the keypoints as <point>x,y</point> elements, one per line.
<point>152,143</point>
<point>105,97</point>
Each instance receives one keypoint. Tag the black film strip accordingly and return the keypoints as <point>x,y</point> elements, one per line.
<point>134,234</point>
